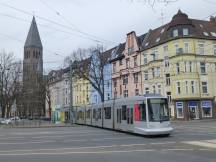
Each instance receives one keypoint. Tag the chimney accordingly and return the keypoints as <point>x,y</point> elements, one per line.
<point>213,19</point>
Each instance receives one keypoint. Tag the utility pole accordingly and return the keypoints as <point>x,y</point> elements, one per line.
<point>71,111</point>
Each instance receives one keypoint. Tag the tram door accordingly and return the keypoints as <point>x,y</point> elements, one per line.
<point>129,115</point>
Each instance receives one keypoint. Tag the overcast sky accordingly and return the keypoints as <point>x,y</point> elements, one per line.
<point>106,21</point>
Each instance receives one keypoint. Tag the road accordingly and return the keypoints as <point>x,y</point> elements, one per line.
<point>193,141</point>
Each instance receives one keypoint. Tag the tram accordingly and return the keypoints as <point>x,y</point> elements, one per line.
<point>145,115</point>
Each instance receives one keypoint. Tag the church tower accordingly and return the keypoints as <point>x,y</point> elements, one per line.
<point>33,86</point>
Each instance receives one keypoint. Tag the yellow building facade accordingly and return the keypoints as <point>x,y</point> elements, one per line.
<point>178,60</point>
<point>81,92</point>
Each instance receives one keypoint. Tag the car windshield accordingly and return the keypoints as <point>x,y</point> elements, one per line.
<point>158,109</point>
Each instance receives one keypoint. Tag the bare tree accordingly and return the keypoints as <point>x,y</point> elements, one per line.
<point>10,70</point>
<point>89,64</point>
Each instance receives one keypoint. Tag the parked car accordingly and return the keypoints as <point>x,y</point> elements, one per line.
<point>6,121</point>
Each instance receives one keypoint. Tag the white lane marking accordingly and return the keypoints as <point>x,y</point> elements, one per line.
<point>201,143</point>
<point>97,152</point>
<point>113,138</point>
<point>182,149</point>
<point>211,141</point>
<point>67,153</point>
<point>21,143</point>
<point>59,149</point>
<point>75,140</point>
<point>63,136</point>
<point>162,143</point>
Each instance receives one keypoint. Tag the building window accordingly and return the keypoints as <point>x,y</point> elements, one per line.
<point>130,50</point>
<point>177,48</point>
<point>120,62</point>
<point>185,31</point>
<point>159,89</point>
<point>186,47</point>
<point>125,79</point>
<point>125,93</point>
<point>178,87</point>
<point>146,75</point>
<point>190,66</point>
<point>177,68</point>
<point>154,55</point>
<point>201,49</point>
<point>179,109</point>
<point>186,86</point>
<point>153,72</point>
<point>136,77</point>
<point>168,79</point>
<point>204,87</point>
<point>214,50</point>
<point>108,84</point>
<point>127,63</point>
<point>154,89</point>
<point>202,68</point>
<point>175,33</point>
<point>136,92</point>
<point>115,94</point>
<point>166,61</point>
<point>114,67</point>
<point>185,64</point>
<point>206,109</point>
<point>108,96</point>
<point>147,90</point>
<point>192,87</point>
<point>165,48</point>
<point>115,83</point>
<point>169,97</point>
<point>135,61</point>
<point>158,71</point>
<point>145,59</point>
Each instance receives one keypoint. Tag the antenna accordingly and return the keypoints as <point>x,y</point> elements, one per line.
<point>162,18</point>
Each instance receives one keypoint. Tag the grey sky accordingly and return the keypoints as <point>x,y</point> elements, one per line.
<point>107,19</point>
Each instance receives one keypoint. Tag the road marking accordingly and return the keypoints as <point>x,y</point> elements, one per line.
<point>75,152</point>
<point>96,152</point>
<point>162,143</point>
<point>202,143</point>
<point>113,138</point>
<point>75,140</point>
<point>21,143</point>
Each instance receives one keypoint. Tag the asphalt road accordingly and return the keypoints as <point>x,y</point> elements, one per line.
<point>191,142</point>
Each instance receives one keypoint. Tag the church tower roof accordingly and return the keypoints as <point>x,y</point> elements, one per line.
<point>33,38</point>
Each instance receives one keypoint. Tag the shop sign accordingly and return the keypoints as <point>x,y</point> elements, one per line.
<point>192,103</point>
<point>206,104</point>
<point>179,105</point>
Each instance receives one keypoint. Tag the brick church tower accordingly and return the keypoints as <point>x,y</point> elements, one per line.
<point>33,91</point>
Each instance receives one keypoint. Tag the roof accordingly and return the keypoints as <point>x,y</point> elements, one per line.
<point>33,37</point>
<point>161,34</point>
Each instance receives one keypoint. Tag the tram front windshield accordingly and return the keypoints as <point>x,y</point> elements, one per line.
<point>158,109</point>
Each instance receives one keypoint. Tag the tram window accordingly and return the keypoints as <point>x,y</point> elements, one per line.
<point>142,110</point>
<point>99,113</point>
<point>94,113</point>
<point>118,115</point>
<point>88,114</point>
<point>131,116</point>
<point>107,112</point>
<point>124,112</point>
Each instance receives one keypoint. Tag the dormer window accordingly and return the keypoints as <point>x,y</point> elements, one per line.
<point>130,50</point>
<point>162,30</point>
<point>185,31</point>
<point>175,33</point>
<point>201,26</point>
<point>206,34</point>
<point>157,40</point>
<point>213,34</point>
<point>147,44</point>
